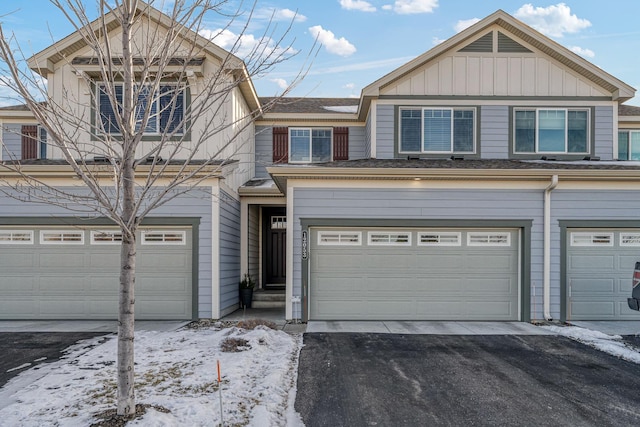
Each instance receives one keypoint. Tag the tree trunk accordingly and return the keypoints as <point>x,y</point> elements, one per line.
<point>126,323</point>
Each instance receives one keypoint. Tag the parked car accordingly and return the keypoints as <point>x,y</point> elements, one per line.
<point>634,301</point>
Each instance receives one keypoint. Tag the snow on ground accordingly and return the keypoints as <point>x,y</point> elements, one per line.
<point>612,344</point>
<point>175,370</point>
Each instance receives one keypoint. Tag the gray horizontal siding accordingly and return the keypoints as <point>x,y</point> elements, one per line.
<point>229,250</point>
<point>11,141</point>
<point>494,132</point>
<point>425,204</point>
<point>604,133</point>
<point>254,242</point>
<point>385,135</point>
<point>264,150</point>
<point>196,204</point>
<point>357,143</point>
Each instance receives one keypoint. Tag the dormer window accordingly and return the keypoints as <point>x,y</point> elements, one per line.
<point>166,111</point>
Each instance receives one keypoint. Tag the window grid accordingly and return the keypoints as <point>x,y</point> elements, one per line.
<point>168,237</point>
<point>61,237</point>
<point>629,239</point>
<point>310,145</point>
<point>16,237</point>
<point>591,239</point>
<point>489,239</point>
<point>100,237</point>
<point>439,239</point>
<point>377,238</point>
<point>340,238</point>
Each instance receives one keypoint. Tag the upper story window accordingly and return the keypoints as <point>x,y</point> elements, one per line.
<point>310,145</point>
<point>437,130</point>
<point>546,130</point>
<point>629,145</point>
<point>166,110</point>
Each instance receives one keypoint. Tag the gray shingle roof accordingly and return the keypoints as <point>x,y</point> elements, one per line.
<point>309,105</point>
<point>481,164</point>
<point>628,110</point>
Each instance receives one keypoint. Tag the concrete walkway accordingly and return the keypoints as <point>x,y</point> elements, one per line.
<point>429,328</point>
<point>629,327</point>
<point>107,326</point>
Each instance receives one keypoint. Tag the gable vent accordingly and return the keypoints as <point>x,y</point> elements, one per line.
<point>506,44</point>
<point>483,44</point>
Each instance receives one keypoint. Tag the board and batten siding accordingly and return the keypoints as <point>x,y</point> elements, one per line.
<point>435,204</point>
<point>467,74</point>
<point>604,133</point>
<point>385,132</point>
<point>494,132</point>
<point>196,204</point>
<point>229,251</point>
<point>11,142</point>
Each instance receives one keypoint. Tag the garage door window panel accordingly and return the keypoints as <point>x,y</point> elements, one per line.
<point>629,239</point>
<point>16,237</point>
<point>376,238</point>
<point>439,239</point>
<point>106,237</point>
<point>591,239</point>
<point>340,238</point>
<point>54,237</point>
<point>489,239</point>
<point>163,238</point>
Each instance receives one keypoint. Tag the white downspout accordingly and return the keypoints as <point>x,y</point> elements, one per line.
<point>546,280</point>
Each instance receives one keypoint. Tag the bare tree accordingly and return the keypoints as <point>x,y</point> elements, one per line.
<point>140,80</point>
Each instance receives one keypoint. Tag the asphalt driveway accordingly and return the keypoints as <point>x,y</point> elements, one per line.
<point>364,379</point>
<point>24,350</point>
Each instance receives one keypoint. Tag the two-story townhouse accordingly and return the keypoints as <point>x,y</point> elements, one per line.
<point>61,264</point>
<point>487,179</point>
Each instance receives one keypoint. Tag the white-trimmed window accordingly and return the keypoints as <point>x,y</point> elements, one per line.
<point>587,238</point>
<point>629,239</point>
<point>61,237</point>
<point>546,130</point>
<point>16,237</point>
<point>439,238</point>
<point>389,238</point>
<point>629,145</point>
<point>489,238</point>
<point>166,111</point>
<point>164,237</point>
<point>102,237</point>
<point>310,145</point>
<point>340,238</point>
<point>437,130</point>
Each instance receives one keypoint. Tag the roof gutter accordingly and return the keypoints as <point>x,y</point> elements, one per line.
<point>546,280</point>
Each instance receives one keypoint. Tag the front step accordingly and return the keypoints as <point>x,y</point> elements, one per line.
<point>268,299</point>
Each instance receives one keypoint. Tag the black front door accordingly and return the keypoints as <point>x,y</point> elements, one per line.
<point>275,247</point>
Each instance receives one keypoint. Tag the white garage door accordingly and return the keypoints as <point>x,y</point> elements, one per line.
<point>72,273</point>
<point>414,274</point>
<point>599,269</point>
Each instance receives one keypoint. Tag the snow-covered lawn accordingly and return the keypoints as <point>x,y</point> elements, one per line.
<point>175,370</point>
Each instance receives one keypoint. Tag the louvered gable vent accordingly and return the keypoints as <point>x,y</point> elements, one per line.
<point>483,44</point>
<point>508,45</point>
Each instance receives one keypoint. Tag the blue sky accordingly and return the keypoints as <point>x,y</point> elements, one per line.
<point>364,40</point>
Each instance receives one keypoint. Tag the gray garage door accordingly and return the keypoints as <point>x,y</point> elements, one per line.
<point>599,269</point>
<point>414,274</point>
<point>72,273</point>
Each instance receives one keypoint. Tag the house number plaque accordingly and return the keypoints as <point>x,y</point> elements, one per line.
<point>305,245</point>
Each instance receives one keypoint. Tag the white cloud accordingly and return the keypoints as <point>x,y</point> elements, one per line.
<point>244,45</point>
<point>334,45</point>
<point>387,7</point>
<point>349,86</point>
<point>282,83</point>
<point>437,40</point>
<point>361,5</point>
<point>408,7</point>
<point>553,21</point>
<point>463,24</point>
<point>288,14</point>
<point>587,53</point>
